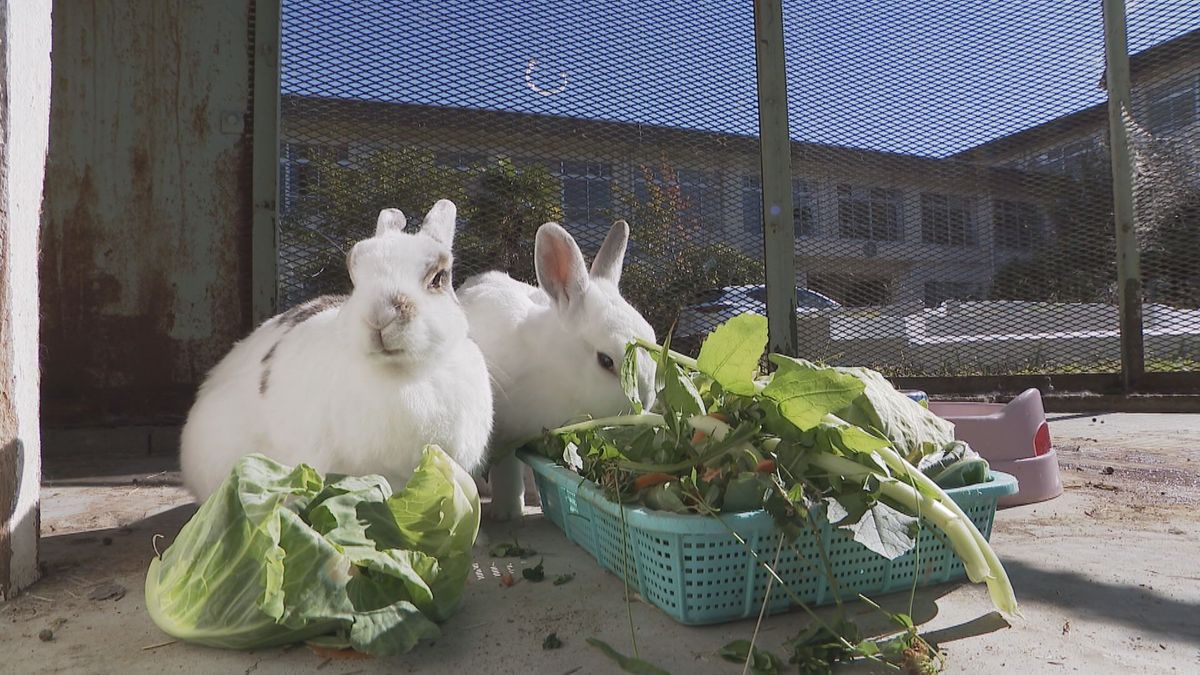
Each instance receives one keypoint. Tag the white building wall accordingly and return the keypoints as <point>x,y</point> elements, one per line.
<point>25,73</point>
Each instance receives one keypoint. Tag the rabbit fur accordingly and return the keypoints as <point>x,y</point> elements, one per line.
<point>554,351</point>
<point>354,384</point>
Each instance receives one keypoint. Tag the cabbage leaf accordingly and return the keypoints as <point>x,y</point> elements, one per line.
<point>280,555</point>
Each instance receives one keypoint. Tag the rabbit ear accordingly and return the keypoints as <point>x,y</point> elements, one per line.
<point>561,271</point>
<point>439,222</point>
<point>610,258</point>
<point>350,262</point>
<point>390,220</point>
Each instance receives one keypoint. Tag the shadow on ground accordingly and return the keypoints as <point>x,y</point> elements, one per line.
<point>1140,607</point>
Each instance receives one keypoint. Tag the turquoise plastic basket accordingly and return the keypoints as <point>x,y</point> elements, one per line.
<point>692,568</point>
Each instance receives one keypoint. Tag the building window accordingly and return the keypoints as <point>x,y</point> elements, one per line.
<point>1173,106</point>
<point>302,169</point>
<point>937,292</point>
<point>804,206</point>
<point>587,200</point>
<point>948,220</point>
<point>870,213</point>
<point>460,161</point>
<point>702,196</point>
<point>1017,225</point>
<point>1077,159</point>
<point>699,194</point>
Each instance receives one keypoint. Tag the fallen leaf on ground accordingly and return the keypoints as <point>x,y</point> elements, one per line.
<point>107,591</point>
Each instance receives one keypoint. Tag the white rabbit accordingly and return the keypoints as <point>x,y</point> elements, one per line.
<point>354,384</point>
<point>554,352</point>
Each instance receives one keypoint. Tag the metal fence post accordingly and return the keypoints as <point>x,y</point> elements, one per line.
<point>265,189</point>
<point>1129,281</point>
<point>779,237</point>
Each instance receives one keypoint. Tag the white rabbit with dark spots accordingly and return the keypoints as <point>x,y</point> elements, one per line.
<point>354,384</point>
<point>555,351</point>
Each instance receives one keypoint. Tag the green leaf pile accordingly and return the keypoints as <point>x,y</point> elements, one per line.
<point>279,555</point>
<point>725,437</point>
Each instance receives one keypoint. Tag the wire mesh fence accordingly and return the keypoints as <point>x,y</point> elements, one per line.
<point>522,114</point>
<point>951,175</point>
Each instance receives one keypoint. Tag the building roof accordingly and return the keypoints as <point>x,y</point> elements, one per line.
<point>319,117</point>
<point>1142,65</point>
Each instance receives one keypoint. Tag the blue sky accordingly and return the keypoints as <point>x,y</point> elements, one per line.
<point>929,78</point>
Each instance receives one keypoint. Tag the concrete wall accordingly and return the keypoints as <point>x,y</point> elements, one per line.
<point>24,110</point>
<point>146,239</point>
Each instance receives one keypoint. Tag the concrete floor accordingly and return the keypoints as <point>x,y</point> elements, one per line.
<point>1106,574</point>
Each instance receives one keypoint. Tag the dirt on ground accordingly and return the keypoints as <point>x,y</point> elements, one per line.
<point>1107,576</point>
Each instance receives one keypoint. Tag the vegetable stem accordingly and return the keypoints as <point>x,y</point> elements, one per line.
<point>957,529</point>
<point>643,419</point>
<point>685,361</point>
<point>999,586</point>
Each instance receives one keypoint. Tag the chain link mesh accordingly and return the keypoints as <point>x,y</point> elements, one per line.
<point>524,113</point>
<point>951,175</point>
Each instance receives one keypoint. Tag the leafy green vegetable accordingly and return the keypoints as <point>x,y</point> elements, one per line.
<point>535,573</point>
<point>730,354</point>
<point>551,642</point>
<point>629,373</point>
<point>563,579</point>
<point>912,428</point>
<point>761,661</point>
<point>726,438</point>
<point>955,465</point>
<point>279,555</point>
<point>513,550</point>
<point>885,530</point>
<point>627,663</point>
<point>806,393</point>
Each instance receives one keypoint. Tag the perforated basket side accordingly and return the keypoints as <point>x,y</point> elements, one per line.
<point>696,571</point>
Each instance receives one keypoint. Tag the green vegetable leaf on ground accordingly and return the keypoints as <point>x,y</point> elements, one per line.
<point>730,355</point>
<point>627,663</point>
<point>762,662</point>
<point>563,579</point>
<point>552,642</point>
<point>511,550</point>
<point>535,573</point>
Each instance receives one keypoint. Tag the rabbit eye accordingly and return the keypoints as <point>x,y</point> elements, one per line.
<point>439,280</point>
<point>605,360</point>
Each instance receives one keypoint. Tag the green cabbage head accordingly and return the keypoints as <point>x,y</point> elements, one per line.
<point>280,555</point>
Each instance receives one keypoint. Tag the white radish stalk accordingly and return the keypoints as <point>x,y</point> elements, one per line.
<point>999,587</point>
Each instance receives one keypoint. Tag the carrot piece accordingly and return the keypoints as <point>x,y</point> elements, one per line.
<point>766,466</point>
<point>651,479</point>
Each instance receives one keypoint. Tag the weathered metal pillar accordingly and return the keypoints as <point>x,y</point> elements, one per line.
<point>265,190</point>
<point>1129,277</point>
<point>779,237</point>
<point>24,136</point>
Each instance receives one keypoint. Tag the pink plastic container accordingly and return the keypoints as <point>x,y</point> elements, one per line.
<point>1013,438</point>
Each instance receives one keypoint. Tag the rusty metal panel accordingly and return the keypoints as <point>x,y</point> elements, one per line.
<point>147,217</point>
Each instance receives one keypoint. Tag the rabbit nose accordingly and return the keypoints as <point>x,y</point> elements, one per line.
<point>404,308</point>
<point>398,310</point>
